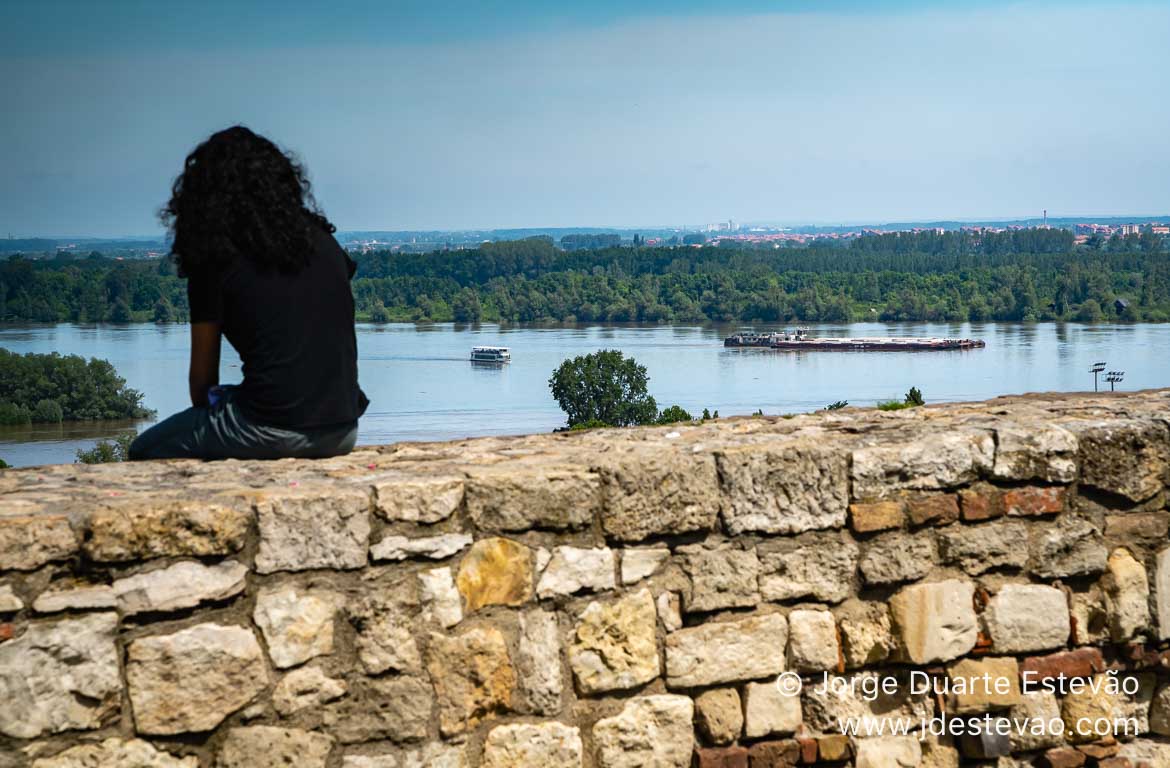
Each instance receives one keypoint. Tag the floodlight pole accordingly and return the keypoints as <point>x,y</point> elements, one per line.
<point>1095,369</point>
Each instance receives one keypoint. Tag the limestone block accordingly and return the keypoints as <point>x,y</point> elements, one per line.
<point>1089,616</point>
<point>115,753</point>
<point>865,632</point>
<point>411,498</point>
<point>189,681</point>
<point>31,537</point>
<point>140,529</point>
<point>538,663</point>
<point>1039,451</point>
<point>653,492</point>
<point>1162,593</point>
<point>982,685</point>
<point>614,645</point>
<point>1066,547</point>
<point>473,677</point>
<point>313,529</point>
<point>639,563</point>
<point>433,755</point>
<point>786,489</point>
<point>9,602</point>
<point>59,676</point>
<point>1160,711</point>
<point>533,745</point>
<point>767,710</point>
<point>440,598</point>
<point>979,548</point>
<point>1126,457</point>
<point>519,497</point>
<point>812,641</point>
<point>385,637</point>
<point>1088,712</point>
<point>889,752</point>
<point>182,585</point>
<point>894,557</point>
<point>305,687</point>
<point>575,569</point>
<point>935,622</point>
<point>495,572</point>
<point>73,596</point>
<point>1027,617</point>
<point>263,746</point>
<point>397,708</point>
<point>431,547</point>
<point>297,624</point>
<point>932,462</point>
<point>819,565</point>
<point>726,652</point>
<point>649,731</point>
<point>861,696</point>
<point>1034,711</point>
<point>669,609</point>
<point>719,715</point>
<point>1127,596</point>
<point>720,578</point>
<point>1144,752</point>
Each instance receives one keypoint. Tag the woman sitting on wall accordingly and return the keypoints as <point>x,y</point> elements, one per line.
<point>262,269</point>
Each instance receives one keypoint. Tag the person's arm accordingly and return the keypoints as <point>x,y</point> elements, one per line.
<point>204,371</point>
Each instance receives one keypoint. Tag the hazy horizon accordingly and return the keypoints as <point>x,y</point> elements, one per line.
<point>415,116</point>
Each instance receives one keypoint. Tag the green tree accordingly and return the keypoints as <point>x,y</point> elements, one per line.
<point>914,397</point>
<point>674,414</point>
<point>603,387</point>
<point>106,451</point>
<point>163,311</point>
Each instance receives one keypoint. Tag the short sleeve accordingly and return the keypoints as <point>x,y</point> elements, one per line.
<point>205,298</point>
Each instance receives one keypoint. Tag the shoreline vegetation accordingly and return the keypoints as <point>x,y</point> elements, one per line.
<point>1017,276</point>
<point>52,388</point>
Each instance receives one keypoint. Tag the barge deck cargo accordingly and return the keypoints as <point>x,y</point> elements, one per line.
<point>800,340</point>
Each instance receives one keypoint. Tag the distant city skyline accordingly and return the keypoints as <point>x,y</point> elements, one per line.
<point>454,115</point>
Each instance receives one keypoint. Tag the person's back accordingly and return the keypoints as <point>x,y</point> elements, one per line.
<point>263,270</point>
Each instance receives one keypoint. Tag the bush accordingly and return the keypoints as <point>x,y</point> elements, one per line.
<point>106,451</point>
<point>893,405</point>
<point>914,397</point>
<point>836,406</point>
<point>591,424</point>
<point>12,413</point>
<point>48,412</point>
<point>4,464</point>
<point>603,387</point>
<point>674,414</point>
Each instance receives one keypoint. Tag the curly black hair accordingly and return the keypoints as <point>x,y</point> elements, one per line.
<point>240,195</point>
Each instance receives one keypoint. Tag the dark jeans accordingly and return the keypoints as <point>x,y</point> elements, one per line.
<point>224,432</point>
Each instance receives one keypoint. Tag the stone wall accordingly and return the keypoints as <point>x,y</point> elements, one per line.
<point>613,598</point>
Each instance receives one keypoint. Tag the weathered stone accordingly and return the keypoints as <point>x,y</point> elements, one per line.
<point>797,488</point>
<point>1067,547</point>
<point>867,698</point>
<point>410,498</point>
<point>385,635</point>
<point>533,745</point>
<point>440,599</point>
<point>894,557</point>
<point>877,516</point>
<point>720,578</point>
<point>720,757</point>
<point>649,731</point>
<point>28,541</point>
<point>396,708</point>
<point>935,622</point>
<point>189,681</point>
<point>1162,593</point>
<point>573,569</point>
<point>59,676</point>
<point>719,715</point>
<point>1064,757</point>
<point>1127,457</point>
<point>182,585</point>
<point>1090,618</point>
<point>297,625</point>
<point>785,753</point>
<point>980,502</point>
<point>115,753</point>
<point>305,687</point>
<point>1160,711</point>
<point>73,596</point>
<point>1088,712</point>
<point>979,548</point>
<point>538,663</point>
<point>726,652</point>
<point>141,529</point>
<point>932,509</point>
<point>818,565</point>
<point>982,685</point>
<point>1037,452</point>
<point>654,492</point>
<point>669,609</point>
<point>767,710</point>
<point>1145,753</point>
<point>495,572</point>
<point>522,497</point>
<point>473,677</point>
<point>1127,596</point>
<point>262,746</point>
<point>9,602</point>
<point>305,530</point>
<point>638,564</point>
<point>865,632</point>
<point>1034,501</point>
<point>1027,617</point>
<point>889,752</point>
<point>1148,528</point>
<point>614,645</point>
<point>1082,662</point>
<point>812,641</point>
<point>433,755</point>
<point>1035,712</point>
<point>932,462</point>
<point>432,547</point>
<point>1131,713</point>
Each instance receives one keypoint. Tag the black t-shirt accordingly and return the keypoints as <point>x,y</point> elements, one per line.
<point>294,334</point>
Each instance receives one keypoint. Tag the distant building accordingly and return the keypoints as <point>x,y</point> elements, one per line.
<point>1131,229</point>
<point>1160,229</point>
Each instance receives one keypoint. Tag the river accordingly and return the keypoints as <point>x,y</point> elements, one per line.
<point>422,386</point>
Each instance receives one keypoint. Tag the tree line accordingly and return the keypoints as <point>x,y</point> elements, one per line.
<point>1019,275</point>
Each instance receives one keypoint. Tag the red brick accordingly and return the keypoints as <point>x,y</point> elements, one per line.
<point>933,509</point>
<point>1115,762</point>
<point>1100,751</point>
<point>876,516</point>
<point>1033,501</point>
<point>774,754</point>
<point>722,757</point>
<point>1083,662</point>
<point>6,631</point>
<point>1062,757</point>
<point>980,502</point>
<point>808,750</point>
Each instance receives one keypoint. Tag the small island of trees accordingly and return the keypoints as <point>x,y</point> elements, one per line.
<point>53,388</point>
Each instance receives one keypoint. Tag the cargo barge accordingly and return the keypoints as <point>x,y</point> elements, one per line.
<point>799,339</point>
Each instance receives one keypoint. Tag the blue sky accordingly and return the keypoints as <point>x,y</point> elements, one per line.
<point>442,114</point>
